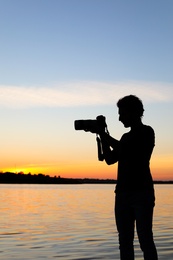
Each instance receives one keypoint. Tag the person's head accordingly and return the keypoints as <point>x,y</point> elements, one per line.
<point>130,110</point>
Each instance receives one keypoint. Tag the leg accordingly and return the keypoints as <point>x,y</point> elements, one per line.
<point>144,218</point>
<point>124,215</point>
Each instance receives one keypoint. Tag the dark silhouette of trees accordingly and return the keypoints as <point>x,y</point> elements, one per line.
<point>21,178</point>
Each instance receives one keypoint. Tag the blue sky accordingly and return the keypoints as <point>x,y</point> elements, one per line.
<point>62,40</point>
<point>67,59</point>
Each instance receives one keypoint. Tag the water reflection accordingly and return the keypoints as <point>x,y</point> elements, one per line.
<point>72,222</point>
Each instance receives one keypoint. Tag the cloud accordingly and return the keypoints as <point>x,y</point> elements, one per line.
<point>82,94</point>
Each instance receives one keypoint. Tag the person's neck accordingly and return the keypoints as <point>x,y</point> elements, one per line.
<point>136,124</point>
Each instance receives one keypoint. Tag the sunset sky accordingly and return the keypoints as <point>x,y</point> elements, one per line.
<point>62,60</point>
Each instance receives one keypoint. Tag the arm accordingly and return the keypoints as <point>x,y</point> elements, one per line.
<point>110,147</point>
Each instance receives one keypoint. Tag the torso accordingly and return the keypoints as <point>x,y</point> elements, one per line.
<point>133,166</point>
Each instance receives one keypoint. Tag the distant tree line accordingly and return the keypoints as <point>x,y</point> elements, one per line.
<point>21,178</point>
<point>11,177</point>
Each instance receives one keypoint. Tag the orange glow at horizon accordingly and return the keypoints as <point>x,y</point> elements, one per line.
<point>161,168</point>
<point>71,170</point>
<point>25,170</point>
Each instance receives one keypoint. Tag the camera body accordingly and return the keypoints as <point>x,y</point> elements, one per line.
<point>95,126</point>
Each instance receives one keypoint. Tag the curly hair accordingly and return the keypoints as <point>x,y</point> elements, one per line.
<point>132,104</point>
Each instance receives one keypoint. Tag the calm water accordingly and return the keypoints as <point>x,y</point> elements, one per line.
<point>72,222</point>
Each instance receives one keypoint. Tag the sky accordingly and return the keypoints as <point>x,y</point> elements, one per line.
<point>63,60</point>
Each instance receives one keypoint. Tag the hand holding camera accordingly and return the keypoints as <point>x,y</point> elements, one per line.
<point>97,126</point>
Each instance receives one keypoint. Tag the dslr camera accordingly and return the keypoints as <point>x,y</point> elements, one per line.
<point>95,126</point>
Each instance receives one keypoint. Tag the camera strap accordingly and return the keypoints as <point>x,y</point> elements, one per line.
<point>99,148</point>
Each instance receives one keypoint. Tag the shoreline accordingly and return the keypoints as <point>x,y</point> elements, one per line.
<point>21,178</point>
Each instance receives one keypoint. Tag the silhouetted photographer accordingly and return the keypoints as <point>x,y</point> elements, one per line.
<point>135,199</point>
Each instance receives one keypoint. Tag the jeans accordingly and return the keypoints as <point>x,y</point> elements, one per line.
<point>130,208</point>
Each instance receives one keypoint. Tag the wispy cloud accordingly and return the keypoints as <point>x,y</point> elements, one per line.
<point>82,93</point>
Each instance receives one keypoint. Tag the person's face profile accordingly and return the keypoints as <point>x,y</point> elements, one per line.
<point>127,117</point>
<point>124,117</point>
